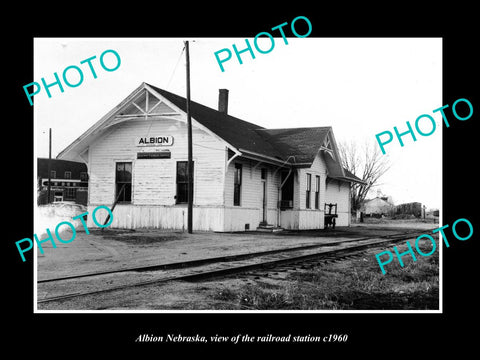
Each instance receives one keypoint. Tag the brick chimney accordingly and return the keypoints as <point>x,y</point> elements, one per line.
<point>223,100</point>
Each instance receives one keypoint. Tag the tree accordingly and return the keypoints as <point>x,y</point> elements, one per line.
<point>367,163</point>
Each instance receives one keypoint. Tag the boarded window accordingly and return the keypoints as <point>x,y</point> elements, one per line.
<point>309,189</point>
<point>182,182</point>
<point>237,184</point>
<point>123,182</point>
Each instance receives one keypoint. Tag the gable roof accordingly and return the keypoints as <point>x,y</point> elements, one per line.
<point>301,143</point>
<point>379,201</point>
<point>295,146</point>
<point>347,177</point>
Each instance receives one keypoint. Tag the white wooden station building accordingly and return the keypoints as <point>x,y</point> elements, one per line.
<point>244,175</point>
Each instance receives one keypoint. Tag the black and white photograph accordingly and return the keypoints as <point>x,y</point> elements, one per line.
<point>217,183</point>
<point>292,195</point>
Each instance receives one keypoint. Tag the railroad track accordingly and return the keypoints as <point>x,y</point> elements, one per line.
<point>210,268</point>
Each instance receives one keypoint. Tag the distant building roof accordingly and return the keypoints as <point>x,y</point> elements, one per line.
<point>60,166</point>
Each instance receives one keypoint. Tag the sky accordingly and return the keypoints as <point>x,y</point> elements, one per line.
<point>359,86</point>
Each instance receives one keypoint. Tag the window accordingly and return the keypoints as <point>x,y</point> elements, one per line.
<point>70,194</point>
<point>263,173</point>
<point>309,187</point>
<point>68,175</point>
<point>317,192</point>
<point>287,190</point>
<point>53,174</point>
<point>83,176</point>
<point>237,184</point>
<point>123,182</point>
<point>182,182</point>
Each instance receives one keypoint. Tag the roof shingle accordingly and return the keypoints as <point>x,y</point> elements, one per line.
<point>301,143</point>
<point>237,132</point>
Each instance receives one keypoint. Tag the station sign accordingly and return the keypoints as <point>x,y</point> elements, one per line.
<point>154,141</point>
<point>154,155</point>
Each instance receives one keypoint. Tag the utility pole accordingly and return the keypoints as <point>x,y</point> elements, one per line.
<point>49,163</point>
<point>190,162</point>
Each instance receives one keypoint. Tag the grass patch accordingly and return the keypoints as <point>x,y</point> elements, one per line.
<point>356,284</point>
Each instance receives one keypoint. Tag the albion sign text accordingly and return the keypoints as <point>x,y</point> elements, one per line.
<point>154,141</point>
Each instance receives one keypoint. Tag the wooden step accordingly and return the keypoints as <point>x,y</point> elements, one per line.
<point>269,228</point>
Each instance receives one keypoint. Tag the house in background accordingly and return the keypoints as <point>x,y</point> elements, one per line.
<point>244,176</point>
<point>69,181</point>
<point>378,206</point>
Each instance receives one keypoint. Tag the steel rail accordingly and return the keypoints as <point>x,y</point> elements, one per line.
<point>223,272</point>
<point>227,258</point>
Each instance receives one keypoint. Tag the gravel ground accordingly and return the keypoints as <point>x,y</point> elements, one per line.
<point>118,249</point>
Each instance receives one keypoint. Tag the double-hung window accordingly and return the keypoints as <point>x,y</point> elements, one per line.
<point>237,184</point>
<point>317,192</point>
<point>182,182</point>
<point>309,188</point>
<point>123,182</point>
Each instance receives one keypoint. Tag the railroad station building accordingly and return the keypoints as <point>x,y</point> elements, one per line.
<point>244,177</point>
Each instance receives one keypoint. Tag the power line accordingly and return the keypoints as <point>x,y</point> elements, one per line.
<point>175,69</point>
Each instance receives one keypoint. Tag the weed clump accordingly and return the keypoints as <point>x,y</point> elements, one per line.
<point>347,285</point>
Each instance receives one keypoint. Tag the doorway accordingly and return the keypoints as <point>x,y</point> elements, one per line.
<point>264,195</point>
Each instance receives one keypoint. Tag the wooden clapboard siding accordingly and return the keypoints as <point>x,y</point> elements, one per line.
<point>272,216</point>
<point>237,217</point>
<point>251,186</point>
<point>289,219</point>
<point>247,188</point>
<point>160,217</point>
<point>318,168</point>
<point>208,153</point>
<point>300,217</point>
<point>154,180</point>
<point>311,219</point>
<point>251,193</point>
<point>273,183</point>
<point>338,192</point>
